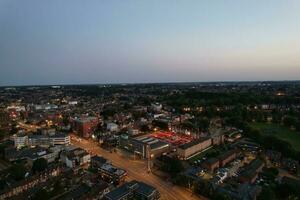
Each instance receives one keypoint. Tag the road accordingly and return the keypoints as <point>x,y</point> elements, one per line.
<point>28,127</point>
<point>137,170</point>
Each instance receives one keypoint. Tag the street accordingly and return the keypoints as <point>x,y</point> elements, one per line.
<point>137,169</point>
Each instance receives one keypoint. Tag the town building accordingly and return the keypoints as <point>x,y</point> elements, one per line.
<point>148,147</point>
<point>217,139</point>
<point>187,150</point>
<point>31,154</point>
<point>211,164</point>
<point>98,161</point>
<point>20,140</point>
<point>134,190</point>
<point>133,131</point>
<point>227,157</point>
<point>250,172</point>
<point>75,157</point>
<point>112,127</point>
<point>46,140</point>
<point>85,126</point>
<point>60,139</point>
<point>157,107</point>
<point>112,173</point>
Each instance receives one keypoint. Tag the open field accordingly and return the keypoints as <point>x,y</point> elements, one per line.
<point>281,132</point>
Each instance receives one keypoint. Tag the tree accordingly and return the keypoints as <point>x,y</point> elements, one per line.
<point>203,123</point>
<point>173,166</point>
<point>297,125</point>
<point>160,124</point>
<point>39,165</point>
<point>145,128</point>
<point>288,191</point>
<point>255,134</point>
<point>266,193</point>
<point>289,121</point>
<point>2,184</point>
<point>41,194</point>
<point>57,188</point>
<point>218,196</point>
<point>2,150</point>
<point>3,134</point>
<point>17,171</point>
<point>65,120</point>
<point>271,172</point>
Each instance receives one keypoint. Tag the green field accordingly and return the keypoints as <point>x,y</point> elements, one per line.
<point>281,132</point>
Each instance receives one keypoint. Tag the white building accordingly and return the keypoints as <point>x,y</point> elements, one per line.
<point>20,141</point>
<point>112,127</point>
<point>17,108</point>
<point>156,107</point>
<point>75,157</point>
<point>133,131</point>
<point>73,103</point>
<point>60,139</point>
<point>49,140</point>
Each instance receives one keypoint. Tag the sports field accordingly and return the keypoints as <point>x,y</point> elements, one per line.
<point>279,131</point>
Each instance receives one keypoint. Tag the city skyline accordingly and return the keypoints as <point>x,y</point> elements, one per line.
<point>76,42</point>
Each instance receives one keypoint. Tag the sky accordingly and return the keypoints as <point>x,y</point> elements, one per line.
<point>141,41</point>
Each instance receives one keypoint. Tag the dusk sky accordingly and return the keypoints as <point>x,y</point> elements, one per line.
<point>133,41</point>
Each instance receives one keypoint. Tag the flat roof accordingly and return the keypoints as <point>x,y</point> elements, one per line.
<point>211,161</point>
<point>225,155</point>
<point>113,170</point>
<point>145,189</point>
<point>158,145</point>
<point>139,187</point>
<point>193,143</point>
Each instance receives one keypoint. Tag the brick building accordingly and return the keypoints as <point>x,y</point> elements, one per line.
<point>187,150</point>
<point>85,126</point>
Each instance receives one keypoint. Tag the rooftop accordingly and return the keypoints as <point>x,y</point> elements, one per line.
<point>193,143</point>
<point>113,170</point>
<point>226,154</point>
<point>128,188</point>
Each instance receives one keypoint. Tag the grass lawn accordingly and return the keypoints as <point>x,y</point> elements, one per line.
<point>281,132</point>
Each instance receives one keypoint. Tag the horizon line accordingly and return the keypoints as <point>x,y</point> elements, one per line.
<point>148,83</point>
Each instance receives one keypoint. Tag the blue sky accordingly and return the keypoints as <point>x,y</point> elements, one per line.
<point>126,41</point>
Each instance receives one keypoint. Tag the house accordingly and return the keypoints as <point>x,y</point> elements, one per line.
<point>211,164</point>
<point>133,131</point>
<point>31,154</point>
<point>250,172</point>
<point>112,127</point>
<point>75,157</point>
<point>31,182</point>
<point>98,161</point>
<point>227,157</point>
<point>240,191</point>
<point>112,173</point>
<point>157,107</point>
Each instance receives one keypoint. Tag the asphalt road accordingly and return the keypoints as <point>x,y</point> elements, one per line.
<point>137,170</point>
